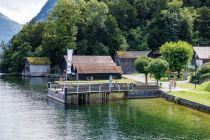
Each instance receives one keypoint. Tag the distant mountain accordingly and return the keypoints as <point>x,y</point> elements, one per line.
<point>45,11</point>
<point>8,28</point>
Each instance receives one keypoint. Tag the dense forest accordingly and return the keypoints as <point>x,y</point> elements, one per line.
<point>101,27</point>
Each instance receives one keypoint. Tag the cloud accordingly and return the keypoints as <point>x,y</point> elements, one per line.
<point>21,11</point>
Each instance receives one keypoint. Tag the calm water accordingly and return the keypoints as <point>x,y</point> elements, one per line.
<point>26,114</point>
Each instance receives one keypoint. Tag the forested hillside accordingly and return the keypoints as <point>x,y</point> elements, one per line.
<point>102,27</point>
<point>8,28</point>
<point>45,11</point>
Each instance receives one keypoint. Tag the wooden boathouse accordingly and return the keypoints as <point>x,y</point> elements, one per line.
<point>36,67</point>
<point>92,67</point>
<point>126,59</point>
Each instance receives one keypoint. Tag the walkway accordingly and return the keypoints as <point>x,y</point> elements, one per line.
<point>165,85</point>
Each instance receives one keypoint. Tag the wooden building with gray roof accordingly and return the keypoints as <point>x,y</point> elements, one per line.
<point>126,60</point>
<point>202,55</point>
<point>36,67</point>
<point>92,67</point>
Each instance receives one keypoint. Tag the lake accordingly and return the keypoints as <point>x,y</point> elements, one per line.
<point>26,113</point>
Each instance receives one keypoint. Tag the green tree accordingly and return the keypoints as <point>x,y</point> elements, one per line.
<point>158,67</point>
<point>178,54</point>
<point>174,23</point>
<point>61,30</point>
<point>202,26</point>
<point>137,39</point>
<point>141,64</point>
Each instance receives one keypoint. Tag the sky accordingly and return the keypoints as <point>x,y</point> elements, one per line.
<point>21,11</point>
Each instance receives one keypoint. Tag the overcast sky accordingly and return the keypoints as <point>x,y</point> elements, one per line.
<point>21,11</point>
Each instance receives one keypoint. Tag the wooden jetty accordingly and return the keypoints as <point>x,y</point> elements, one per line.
<point>61,92</point>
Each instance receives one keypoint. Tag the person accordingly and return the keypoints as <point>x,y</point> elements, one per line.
<point>174,83</point>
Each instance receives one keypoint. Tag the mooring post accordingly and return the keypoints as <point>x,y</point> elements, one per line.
<point>77,88</point>
<point>49,85</point>
<point>80,98</point>
<point>108,96</point>
<point>89,88</point>
<point>84,99</point>
<point>99,89</point>
<point>88,98</point>
<point>65,95</point>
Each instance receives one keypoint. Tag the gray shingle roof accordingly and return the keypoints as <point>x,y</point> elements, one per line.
<point>202,52</point>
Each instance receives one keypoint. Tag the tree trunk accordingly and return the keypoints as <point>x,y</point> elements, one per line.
<point>179,74</point>
<point>157,82</point>
<point>146,78</point>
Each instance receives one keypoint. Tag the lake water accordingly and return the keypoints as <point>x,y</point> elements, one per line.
<point>26,114</point>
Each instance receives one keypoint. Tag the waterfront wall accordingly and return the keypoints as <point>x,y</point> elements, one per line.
<point>185,102</point>
<point>141,94</point>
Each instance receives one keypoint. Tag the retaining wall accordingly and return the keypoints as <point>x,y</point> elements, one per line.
<point>188,103</point>
<point>139,94</point>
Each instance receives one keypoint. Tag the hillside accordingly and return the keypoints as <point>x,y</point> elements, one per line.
<point>8,28</point>
<point>46,9</point>
<point>102,27</point>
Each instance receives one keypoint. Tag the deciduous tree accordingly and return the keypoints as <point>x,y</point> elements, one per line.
<point>158,67</point>
<point>141,64</point>
<point>178,54</point>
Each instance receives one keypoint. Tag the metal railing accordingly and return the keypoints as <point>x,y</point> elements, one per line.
<point>101,88</point>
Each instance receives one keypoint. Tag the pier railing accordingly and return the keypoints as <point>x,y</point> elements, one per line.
<point>101,88</point>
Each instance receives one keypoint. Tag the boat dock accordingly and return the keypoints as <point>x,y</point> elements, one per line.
<point>82,92</point>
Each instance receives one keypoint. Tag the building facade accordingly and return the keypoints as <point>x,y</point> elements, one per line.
<point>201,56</point>
<point>92,68</point>
<point>36,67</point>
<point>126,59</point>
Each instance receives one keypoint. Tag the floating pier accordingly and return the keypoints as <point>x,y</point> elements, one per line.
<point>65,93</point>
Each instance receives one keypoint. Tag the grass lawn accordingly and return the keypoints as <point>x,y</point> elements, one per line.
<point>199,88</point>
<point>177,79</point>
<point>123,80</point>
<point>199,97</point>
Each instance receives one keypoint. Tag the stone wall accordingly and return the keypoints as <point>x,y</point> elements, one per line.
<point>185,102</point>
<point>138,94</point>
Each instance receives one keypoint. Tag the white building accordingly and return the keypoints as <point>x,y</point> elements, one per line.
<point>202,55</point>
<point>36,67</point>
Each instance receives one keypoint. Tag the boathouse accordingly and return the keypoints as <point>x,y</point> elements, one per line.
<point>201,55</point>
<point>36,67</point>
<point>126,60</point>
<point>92,67</point>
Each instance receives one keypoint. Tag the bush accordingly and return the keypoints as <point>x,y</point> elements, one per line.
<point>202,74</point>
<point>204,69</point>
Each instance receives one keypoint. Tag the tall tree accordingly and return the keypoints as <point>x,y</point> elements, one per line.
<point>141,64</point>
<point>61,30</point>
<point>173,24</point>
<point>158,67</point>
<point>177,54</point>
<point>202,25</point>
